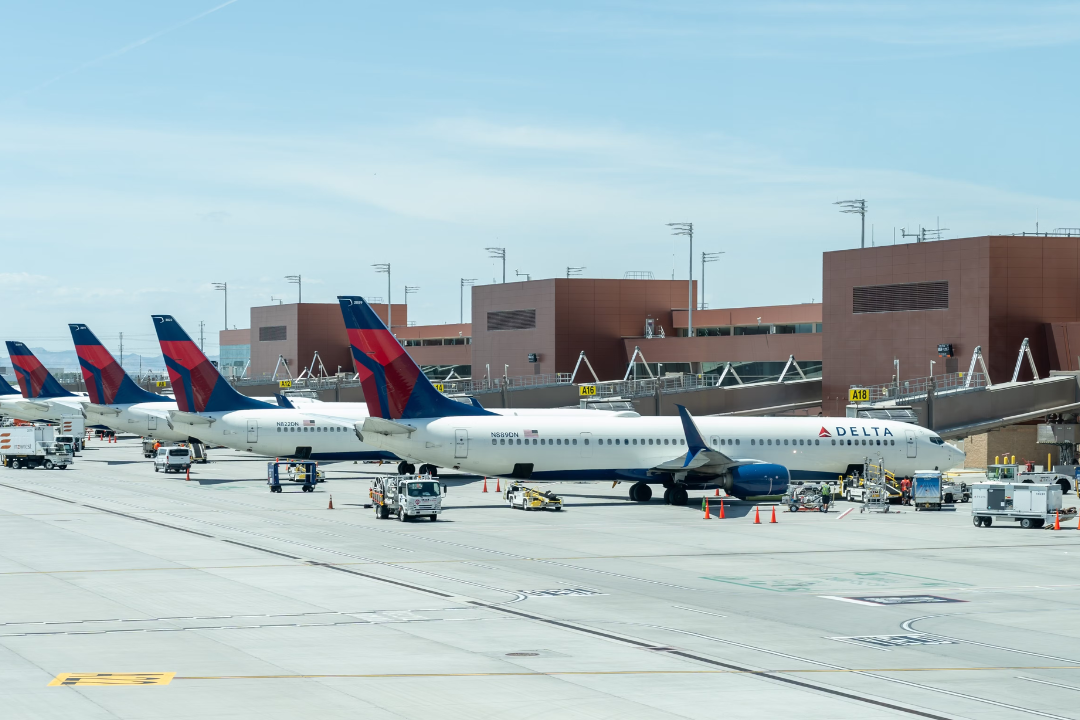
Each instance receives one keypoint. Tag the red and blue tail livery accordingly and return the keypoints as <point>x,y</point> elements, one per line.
<point>106,381</point>
<point>34,380</point>
<point>394,387</point>
<point>5,387</point>
<point>197,384</point>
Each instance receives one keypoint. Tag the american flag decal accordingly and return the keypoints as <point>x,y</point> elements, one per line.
<point>531,433</point>
<point>309,422</point>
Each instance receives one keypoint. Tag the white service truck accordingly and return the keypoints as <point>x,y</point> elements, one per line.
<point>406,496</point>
<point>72,430</point>
<point>28,446</point>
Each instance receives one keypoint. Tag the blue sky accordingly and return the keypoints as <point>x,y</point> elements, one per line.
<point>150,149</point>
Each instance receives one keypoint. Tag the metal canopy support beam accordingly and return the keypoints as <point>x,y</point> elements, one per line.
<point>977,356</point>
<point>280,362</point>
<point>587,364</point>
<point>728,368</point>
<point>630,367</point>
<point>790,362</point>
<point>1025,349</point>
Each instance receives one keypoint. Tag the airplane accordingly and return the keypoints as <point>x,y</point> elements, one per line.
<point>115,400</point>
<point>746,456</point>
<point>7,390</point>
<point>43,398</point>
<point>208,408</point>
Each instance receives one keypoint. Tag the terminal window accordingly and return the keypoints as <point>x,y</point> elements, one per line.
<point>901,297</point>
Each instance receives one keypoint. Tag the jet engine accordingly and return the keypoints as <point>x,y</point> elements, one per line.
<point>757,479</point>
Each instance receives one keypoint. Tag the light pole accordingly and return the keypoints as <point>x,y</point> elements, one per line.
<point>707,257</point>
<point>385,268</point>
<point>528,277</point>
<point>685,228</point>
<point>296,280</point>
<point>465,282</point>
<point>224,286</point>
<point>499,254</point>
<point>409,290</point>
<point>574,271</point>
<point>855,207</point>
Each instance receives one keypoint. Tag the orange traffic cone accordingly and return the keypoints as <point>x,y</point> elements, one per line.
<point>331,506</point>
<point>773,520</point>
<point>498,489</point>
<point>706,508</point>
<point>1057,520</point>
<point>721,509</point>
<point>485,483</point>
<point>717,493</point>
<point>757,516</point>
<point>188,473</point>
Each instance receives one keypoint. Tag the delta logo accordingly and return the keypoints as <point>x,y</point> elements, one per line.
<point>824,433</point>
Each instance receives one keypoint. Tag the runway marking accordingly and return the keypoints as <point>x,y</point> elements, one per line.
<point>1047,682</point>
<point>536,673</point>
<point>81,679</point>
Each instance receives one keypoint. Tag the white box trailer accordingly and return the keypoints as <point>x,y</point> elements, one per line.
<point>30,446</point>
<point>72,430</point>
<point>1033,505</point>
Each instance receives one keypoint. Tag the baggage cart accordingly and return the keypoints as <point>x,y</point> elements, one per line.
<point>1033,505</point>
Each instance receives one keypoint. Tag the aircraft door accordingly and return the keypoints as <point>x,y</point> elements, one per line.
<point>151,422</point>
<point>912,448</point>
<point>585,445</point>
<point>461,443</point>
<point>253,431</point>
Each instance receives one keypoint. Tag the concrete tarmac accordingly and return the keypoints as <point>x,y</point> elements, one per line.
<point>129,594</point>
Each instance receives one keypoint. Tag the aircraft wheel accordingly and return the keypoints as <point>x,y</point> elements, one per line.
<point>679,496</point>
<point>402,468</point>
<point>667,496</point>
<point>640,492</point>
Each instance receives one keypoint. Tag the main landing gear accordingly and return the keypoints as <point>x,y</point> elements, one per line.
<point>640,492</point>
<point>405,468</point>
<point>676,495</point>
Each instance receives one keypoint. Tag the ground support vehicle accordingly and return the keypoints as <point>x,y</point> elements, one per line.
<point>296,472</point>
<point>1020,474</point>
<point>926,490</point>
<point>148,447</point>
<point>406,496</point>
<point>526,498</point>
<point>1033,505</point>
<point>954,490</point>
<point>806,497</point>
<point>172,459</point>
<point>73,426</point>
<point>198,452</point>
<point>30,446</point>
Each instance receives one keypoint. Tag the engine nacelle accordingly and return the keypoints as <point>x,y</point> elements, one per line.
<point>758,479</point>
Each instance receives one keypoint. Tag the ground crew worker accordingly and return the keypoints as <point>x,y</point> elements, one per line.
<point>825,495</point>
<point>157,444</point>
<point>905,489</point>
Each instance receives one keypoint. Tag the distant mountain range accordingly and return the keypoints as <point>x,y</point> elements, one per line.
<point>68,360</point>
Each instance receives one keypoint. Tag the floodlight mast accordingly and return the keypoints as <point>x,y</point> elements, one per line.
<point>465,282</point>
<point>686,228</point>
<point>224,286</point>
<point>297,281</point>
<point>499,253</point>
<point>706,257</point>
<point>385,268</point>
<point>855,207</point>
<point>574,271</point>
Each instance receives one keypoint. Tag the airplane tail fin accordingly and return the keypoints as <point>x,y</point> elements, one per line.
<point>5,387</point>
<point>34,380</point>
<point>106,381</point>
<point>394,387</point>
<point>197,384</point>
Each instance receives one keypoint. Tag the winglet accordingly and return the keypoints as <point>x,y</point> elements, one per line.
<point>283,401</point>
<point>694,442</point>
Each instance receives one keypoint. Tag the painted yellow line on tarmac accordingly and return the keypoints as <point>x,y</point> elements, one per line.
<point>624,672</point>
<point>84,679</point>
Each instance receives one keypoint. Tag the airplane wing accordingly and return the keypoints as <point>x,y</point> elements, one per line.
<point>186,418</point>
<point>699,457</point>
<point>93,409</point>
<point>27,404</point>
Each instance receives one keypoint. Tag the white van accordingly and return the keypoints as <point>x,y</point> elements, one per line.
<point>175,459</point>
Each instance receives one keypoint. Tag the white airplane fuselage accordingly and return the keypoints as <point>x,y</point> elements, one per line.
<point>599,447</point>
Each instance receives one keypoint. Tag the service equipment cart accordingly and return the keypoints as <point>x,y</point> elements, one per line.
<point>926,490</point>
<point>805,497</point>
<point>1033,505</point>
<point>286,472</point>
<point>527,498</point>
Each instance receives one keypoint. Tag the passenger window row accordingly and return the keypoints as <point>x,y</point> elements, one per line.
<point>318,428</point>
<point>599,441</point>
<point>785,442</point>
<point>872,441</point>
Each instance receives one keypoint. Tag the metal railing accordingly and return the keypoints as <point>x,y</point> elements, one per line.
<point>672,384</point>
<point>905,390</point>
<point>450,387</point>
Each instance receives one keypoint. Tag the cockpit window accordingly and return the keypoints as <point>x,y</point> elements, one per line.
<point>936,440</point>
<point>423,489</point>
